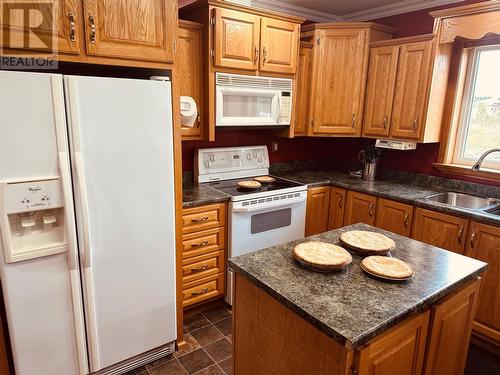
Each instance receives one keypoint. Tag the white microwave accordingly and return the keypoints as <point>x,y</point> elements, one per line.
<point>252,101</point>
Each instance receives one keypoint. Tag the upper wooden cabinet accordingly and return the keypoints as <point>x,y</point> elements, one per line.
<point>338,75</point>
<point>279,41</point>
<point>441,230</point>
<point>236,40</point>
<point>188,57</point>
<point>406,89</point>
<point>130,29</point>
<point>360,208</point>
<point>318,202</point>
<point>394,216</point>
<point>484,244</point>
<point>302,86</point>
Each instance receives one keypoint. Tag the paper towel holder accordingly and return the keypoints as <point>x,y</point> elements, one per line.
<point>189,111</point>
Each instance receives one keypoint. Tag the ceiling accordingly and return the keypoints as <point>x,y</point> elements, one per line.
<point>347,10</point>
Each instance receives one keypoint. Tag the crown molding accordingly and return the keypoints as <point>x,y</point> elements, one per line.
<point>400,7</point>
<point>284,7</point>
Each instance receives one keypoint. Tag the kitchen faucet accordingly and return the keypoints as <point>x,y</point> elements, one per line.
<point>476,166</point>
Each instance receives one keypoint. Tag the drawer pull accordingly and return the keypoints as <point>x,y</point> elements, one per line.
<point>200,244</point>
<point>199,219</point>
<point>199,269</point>
<point>203,291</point>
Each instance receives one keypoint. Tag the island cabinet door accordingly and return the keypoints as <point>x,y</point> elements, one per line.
<point>449,332</point>
<point>484,244</point>
<point>337,208</point>
<point>360,208</point>
<point>279,41</point>
<point>441,230</point>
<point>399,351</point>
<point>318,203</point>
<point>394,216</point>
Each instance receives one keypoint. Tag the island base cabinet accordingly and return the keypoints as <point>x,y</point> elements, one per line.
<point>400,351</point>
<point>450,331</point>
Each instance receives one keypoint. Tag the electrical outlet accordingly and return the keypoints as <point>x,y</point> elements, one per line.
<point>275,146</point>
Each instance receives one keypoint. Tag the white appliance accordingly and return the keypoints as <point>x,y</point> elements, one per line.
<point>86,290</point>
<point>271,215</point>
<point>395,144</point>
<point>252,101</point>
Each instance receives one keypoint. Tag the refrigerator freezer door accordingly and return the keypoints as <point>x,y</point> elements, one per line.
<point>122,152</point>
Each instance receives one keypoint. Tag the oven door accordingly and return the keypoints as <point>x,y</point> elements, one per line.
<point>239,106</point>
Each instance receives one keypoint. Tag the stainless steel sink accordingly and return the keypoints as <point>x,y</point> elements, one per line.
<point>471,202</point>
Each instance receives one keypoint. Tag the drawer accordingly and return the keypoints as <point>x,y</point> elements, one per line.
<point>200,243</point>
<point>202,218</point>
<point>202,266</point>
<point>203,289</point>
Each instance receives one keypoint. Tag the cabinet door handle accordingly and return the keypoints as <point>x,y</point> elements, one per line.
<point>341,201</point>
<point>199,269</point>
<point>353,120</point>
<point>264,54</point>
<point>203,291</point>
<point>200,244</point>
<point>198,119</point>
<point>370,210</point>
<point>92,29</point>
<point>472,238</point>
<point>460,232</point>
<point>406,219</point>
<point>71,18</point>
<point>256,57</point>
<point>385,121</point>
<point>415,123</point>
<point>199,219</point>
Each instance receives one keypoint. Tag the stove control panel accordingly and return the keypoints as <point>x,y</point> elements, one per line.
<point>213,164</point>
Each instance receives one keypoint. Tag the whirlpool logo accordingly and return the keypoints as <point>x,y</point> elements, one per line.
<point>34,189</point>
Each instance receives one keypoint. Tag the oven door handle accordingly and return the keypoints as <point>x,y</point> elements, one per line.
<point>271,205</point>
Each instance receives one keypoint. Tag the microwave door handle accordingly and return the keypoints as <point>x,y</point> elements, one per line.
<point>276,109</point>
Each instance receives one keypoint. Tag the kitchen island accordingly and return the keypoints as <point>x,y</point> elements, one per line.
<point>288,320</point>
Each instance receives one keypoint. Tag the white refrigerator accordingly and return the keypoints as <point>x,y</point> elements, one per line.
<point>87,250</point>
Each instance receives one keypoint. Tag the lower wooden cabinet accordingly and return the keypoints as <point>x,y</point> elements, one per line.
<point>450,330</point>
<point>318,203</point>
<point>441,230</point>
<point>360,208</point>
<point>394,216</point>
<point>484,244</point>
<point>337,207</point>
<point>399,351</point>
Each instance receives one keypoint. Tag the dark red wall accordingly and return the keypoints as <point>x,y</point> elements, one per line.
<point>417,161</point>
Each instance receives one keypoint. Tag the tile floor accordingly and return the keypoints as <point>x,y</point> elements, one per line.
<point>208,347</point>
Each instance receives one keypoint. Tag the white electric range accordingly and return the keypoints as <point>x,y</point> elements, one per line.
<point>272,214</point>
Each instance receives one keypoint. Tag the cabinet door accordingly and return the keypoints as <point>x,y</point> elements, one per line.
<point>337,207</point>
<point>450,332</point>
<point>318,202</point>
<point>484,244</point>
<point>360,208</point>
<point>338,81</point>
<point>380,90</point>
<point>279,41</point>
<point>411,92</point>
<point>131,29</point>
<point>64,33</point>
<point>236,39</point>
<point>302,87</point>
<point>394,216</point>
<point>188,62</point>
<point>441,230</point>
<point>399,351</point>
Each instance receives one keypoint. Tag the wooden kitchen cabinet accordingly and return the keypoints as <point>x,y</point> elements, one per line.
<point>394,216</point>
<point>360,208</point>
<point>130,29</point>
<point>279,42</point>
<point>189,67</point>
<point>68,27</point>
<point>441,230</point>
<point>484,244</point>
<point>236,39</point>
<point>302,87</point>
<point>399,351</point>
<point>380,90</point>
<point>450,331</point>
<point>337,207</point>
<point>318,202</point>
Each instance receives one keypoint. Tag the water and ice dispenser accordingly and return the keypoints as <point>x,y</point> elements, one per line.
<point>32,221</point>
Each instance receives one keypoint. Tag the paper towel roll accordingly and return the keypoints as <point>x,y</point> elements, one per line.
<point>189,112</point>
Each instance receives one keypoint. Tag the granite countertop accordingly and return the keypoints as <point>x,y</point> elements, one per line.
<point>350,306</point>
<point>406,192</point>
<point>194,194</point>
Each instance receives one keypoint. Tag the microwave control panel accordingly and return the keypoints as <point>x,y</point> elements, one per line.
<point>286,107</point>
